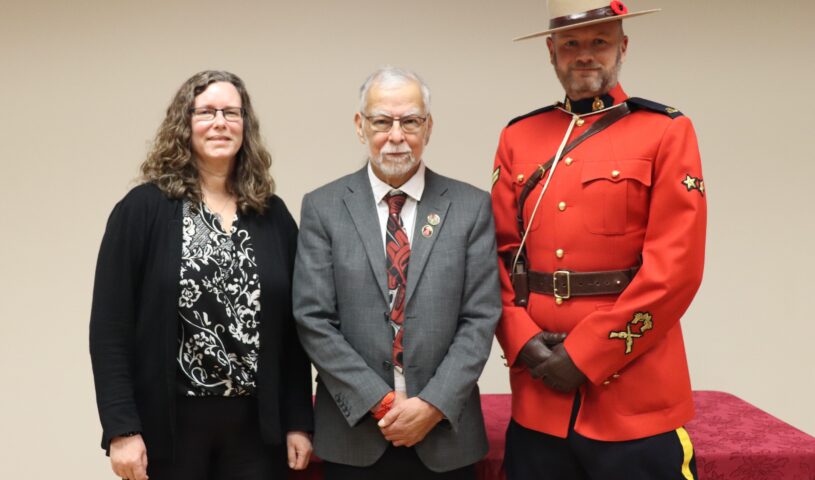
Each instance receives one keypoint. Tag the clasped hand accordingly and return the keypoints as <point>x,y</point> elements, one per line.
<point>408,421</point>
<point>547,359</point>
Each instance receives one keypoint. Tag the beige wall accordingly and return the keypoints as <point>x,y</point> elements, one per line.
<point>84,85</point>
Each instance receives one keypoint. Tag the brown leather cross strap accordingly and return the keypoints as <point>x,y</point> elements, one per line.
<point>565,284</point>
<point>604,122</point>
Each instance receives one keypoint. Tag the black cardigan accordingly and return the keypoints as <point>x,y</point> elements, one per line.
<point>134,322</point>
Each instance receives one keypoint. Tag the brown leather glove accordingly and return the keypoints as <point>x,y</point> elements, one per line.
<point>537,350</point>
<point>559,372</point>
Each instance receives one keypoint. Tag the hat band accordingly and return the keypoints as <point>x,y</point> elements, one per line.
<point>582,17</point>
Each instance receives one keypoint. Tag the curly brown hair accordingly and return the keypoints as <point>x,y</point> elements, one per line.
<point>171,165</point>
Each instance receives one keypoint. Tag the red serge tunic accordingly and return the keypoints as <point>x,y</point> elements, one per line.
<point>633,190</point>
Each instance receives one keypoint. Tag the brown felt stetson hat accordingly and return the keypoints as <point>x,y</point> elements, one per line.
<point>569,14</point>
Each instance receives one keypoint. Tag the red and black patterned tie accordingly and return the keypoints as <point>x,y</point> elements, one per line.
<point>397,247</point>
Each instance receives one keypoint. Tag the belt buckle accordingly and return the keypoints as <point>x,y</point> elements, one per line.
<point>561,296</point>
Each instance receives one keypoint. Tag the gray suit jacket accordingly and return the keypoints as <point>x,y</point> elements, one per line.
<point>452,307</point>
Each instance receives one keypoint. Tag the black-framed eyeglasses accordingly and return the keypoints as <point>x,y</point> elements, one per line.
<point>207,114</point>
<point>384,123</point>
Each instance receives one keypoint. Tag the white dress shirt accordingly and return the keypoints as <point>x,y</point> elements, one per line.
<point>414,188</point>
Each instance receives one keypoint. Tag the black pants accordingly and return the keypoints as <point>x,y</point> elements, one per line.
<point>532,455</point>
<point>397,463</point>
<point>219,438</point>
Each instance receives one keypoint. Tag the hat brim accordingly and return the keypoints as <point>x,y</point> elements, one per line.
<point>585,24</point>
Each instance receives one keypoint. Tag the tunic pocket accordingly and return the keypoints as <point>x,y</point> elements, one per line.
<point>615,195</point>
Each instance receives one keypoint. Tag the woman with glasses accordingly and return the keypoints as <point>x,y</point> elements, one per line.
<point>198,370</point>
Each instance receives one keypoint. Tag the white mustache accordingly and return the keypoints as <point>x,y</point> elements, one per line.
<point>390,149</point>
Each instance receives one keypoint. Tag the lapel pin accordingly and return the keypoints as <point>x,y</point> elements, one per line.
<point>427,231</point>
<point>433,219</point>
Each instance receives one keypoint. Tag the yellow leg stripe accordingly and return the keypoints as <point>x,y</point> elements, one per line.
<point>687,449</point>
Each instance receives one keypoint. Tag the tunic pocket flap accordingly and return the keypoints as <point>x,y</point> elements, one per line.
<point>639,170</point>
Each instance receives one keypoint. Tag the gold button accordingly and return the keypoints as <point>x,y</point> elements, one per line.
<point>568,160</point>
<point>558,300</point>
<point>559,253</point>
<point>579,122</point>
<point>520,177</point>
<point>561,206</point>
<point>615,173</point>
<point>606,382</point>
<point>616,375</point>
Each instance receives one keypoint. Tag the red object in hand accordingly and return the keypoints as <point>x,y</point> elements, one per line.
<point>385,405</point>
<point>619,7</point>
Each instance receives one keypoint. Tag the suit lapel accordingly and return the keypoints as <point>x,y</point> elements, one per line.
<point>360,203</point>
<point>433,203</point>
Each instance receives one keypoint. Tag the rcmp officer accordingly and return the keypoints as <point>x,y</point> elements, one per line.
<point>600,216</point>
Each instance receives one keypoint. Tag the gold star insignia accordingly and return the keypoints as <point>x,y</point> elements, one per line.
<point>689,182</point>
<point>694,183</point>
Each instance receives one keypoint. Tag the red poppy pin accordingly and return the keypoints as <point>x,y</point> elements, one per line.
<point>619,7</point>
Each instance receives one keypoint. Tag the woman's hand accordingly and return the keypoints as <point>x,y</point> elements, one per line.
<point>298,445</point>
<point>128,457</point>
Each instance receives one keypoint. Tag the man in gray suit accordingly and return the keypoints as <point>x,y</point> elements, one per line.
<point>396,298</point>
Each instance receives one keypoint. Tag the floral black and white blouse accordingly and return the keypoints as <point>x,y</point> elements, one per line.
<point>218,308</point>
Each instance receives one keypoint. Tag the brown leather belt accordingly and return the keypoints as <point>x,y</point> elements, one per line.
<point>564,284</point>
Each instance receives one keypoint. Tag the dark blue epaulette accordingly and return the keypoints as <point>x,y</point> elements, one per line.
<point>641,103</point>
<point>532,114</point>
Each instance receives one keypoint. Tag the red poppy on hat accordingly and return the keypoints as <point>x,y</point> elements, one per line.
<point>619,7</point>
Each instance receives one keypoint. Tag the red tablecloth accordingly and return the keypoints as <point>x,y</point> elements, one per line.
<point>732,439</point>
<point>735,440</point>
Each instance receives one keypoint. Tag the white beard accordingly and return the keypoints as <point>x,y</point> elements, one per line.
<point>392,166</point>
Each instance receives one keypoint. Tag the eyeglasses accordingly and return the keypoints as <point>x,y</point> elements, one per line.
<point>207,114</point>
<point>384,123</point>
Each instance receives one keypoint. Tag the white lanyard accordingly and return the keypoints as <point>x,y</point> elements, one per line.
<point>543,190</point>
<point>569,130</point>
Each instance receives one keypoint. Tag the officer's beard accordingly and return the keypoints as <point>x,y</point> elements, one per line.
<point>578,87</point>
